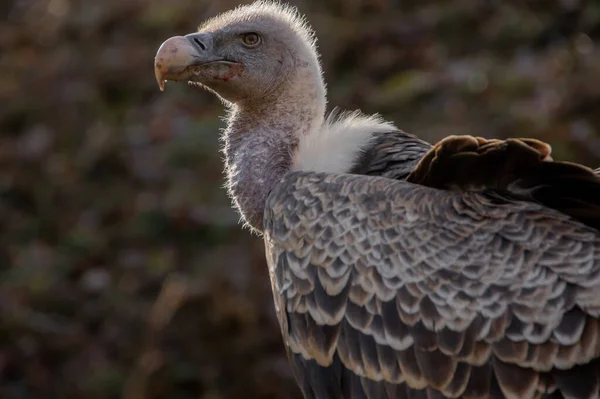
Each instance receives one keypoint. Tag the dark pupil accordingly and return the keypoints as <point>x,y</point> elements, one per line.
<point>251,39</point>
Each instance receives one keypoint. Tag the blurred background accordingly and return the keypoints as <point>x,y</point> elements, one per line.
<point>123,271</point>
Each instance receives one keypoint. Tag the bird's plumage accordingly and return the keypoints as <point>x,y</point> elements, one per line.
<point>399,269</point>
<point>458,294</point>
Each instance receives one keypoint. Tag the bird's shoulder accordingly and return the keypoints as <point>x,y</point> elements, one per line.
<point>393,154</point>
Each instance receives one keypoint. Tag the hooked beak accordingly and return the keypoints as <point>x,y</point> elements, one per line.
<point>191,58</point>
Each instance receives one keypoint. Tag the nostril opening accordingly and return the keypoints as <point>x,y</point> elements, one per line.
<point>199,43</point>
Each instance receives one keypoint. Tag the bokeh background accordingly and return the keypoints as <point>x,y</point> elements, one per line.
<point>123,271</point>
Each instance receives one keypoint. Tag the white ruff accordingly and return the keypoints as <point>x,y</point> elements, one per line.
<point>338,143</point>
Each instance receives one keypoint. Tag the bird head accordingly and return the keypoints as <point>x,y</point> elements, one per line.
<point>243,55</point>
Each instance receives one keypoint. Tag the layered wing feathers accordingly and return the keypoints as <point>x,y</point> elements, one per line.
<point>387,287</point>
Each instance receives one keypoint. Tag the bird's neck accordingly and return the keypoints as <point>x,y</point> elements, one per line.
<point>261,138</point>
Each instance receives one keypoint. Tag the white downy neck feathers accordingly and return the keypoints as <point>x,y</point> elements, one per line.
<point>335,146</point>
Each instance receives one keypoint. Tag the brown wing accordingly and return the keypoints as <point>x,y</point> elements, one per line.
<point>521,168</point>
<point>386,289</point>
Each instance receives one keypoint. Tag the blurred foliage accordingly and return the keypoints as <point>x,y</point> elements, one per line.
<point>123,270</point>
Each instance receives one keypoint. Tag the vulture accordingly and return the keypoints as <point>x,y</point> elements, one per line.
<point>400,269</point>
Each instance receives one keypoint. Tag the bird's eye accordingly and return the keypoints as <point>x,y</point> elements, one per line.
<point>251,39</point>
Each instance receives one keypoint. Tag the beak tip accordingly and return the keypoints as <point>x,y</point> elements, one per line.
<point>158,73</point>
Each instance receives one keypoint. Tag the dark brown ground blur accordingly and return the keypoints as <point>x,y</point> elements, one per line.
<point>123,271</point>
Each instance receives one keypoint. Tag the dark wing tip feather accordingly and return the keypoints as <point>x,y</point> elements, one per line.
<point>520,168</point>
